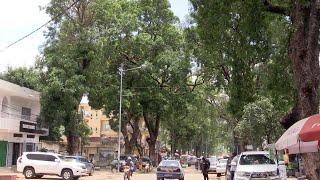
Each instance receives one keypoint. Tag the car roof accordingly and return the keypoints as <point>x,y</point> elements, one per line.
<point>254,152</point>
<point>45,153</point>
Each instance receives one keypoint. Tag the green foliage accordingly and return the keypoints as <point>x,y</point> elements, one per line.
<point>246,51</point>
<point>260,122</point>
<point>26,77</point>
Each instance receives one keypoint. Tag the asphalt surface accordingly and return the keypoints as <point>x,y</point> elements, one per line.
<point>190,174</point>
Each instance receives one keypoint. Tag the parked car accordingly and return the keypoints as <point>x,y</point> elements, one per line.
<point>198,164</point>
<point>184,161</point>
<point>114,165</point>
<point>213,164</point>
<point>85,161</point>
<point>37,164</point>
<point>256,165</point>
<point>222,166</point>
<point>192,160</point>
<point>170,169</point>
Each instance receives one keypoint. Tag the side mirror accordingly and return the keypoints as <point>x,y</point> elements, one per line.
<point>233,164</point>
<point>57,160</point>
<point>281,163</point>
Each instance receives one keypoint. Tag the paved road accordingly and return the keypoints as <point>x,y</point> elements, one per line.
<point>190,174</point>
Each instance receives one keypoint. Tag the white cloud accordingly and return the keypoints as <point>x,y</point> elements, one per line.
<point>18,18</point>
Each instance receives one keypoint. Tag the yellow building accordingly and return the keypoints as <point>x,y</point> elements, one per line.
<point>103,142</point>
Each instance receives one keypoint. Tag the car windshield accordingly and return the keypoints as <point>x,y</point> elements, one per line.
<point>253,159</point>
<point>170,163</point>
<point>212,160</point>
<point>63,158</point>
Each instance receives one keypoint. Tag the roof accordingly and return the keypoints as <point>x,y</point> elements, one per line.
<point>254,152</point>
<point>19,90</point>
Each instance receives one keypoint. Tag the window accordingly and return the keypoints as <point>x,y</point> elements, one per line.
<point>50,158</point>
<point>84,160</point>
<point>17,135</point>
<point>38,157</point>
<point>25,113</point>
<point>30,136</point>
<point>4,108</point>
<point>253,159</point>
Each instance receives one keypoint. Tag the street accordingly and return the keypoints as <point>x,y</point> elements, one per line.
<point>190,174</point>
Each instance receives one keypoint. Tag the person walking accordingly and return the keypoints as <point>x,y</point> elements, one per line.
<point>205,167</point>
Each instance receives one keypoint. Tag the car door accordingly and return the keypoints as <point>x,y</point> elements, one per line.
<point>85,162</point>
<point>52,167</point>
<point>37,161</point>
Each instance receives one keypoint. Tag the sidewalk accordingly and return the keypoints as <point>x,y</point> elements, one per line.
<point>6,170</point>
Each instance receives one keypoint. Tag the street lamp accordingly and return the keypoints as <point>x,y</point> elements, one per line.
<point>121,70</point>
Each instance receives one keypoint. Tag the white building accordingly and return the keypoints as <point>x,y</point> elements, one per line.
<point>19,131</point>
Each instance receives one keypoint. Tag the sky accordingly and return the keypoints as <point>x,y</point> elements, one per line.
<point>20,17</point>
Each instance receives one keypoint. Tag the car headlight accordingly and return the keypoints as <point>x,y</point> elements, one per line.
<point>81,166</point>
<point>241,173</point>
<point>273,173</point>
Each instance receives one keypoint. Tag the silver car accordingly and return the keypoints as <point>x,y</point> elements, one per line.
<point>89,165</point>
<point>170,169</point>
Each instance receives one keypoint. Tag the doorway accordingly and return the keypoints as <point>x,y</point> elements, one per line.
<point>15,153</point>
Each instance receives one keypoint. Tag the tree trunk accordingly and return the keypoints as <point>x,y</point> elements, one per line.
<point>311,165</point>
<point>73,144</point>
<point>131,138</point>
<point>152,149</point>
<point>304,55</point>
<point>153,125</point>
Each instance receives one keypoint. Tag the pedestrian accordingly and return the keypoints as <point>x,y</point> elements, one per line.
<point>140,164</point>
<point>205,167</point>
<point>234,158</point>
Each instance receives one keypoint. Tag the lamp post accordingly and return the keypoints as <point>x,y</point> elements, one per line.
<point>121,70</point>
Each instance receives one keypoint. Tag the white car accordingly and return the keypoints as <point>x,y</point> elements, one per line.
<point>222,166</point>
<point>37,164</point>
<point>256,165</point>
<point>213,164</point>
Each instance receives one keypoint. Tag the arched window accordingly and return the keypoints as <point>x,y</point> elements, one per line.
<point>4,108</point>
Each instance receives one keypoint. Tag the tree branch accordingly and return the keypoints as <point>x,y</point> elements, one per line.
<point>225,73</point>
<point>275,9</point>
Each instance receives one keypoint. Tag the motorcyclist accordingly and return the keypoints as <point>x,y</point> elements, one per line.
<point>131,165</point>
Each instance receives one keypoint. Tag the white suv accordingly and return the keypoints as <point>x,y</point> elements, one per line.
<point>256,165</point>
<point>37,164</point>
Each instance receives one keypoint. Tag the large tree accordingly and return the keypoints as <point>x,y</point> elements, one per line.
<point>302,27</point>
<point>67,55</point>
<point>133,33</point>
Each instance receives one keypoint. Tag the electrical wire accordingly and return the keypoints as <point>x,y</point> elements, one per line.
<point>37,29</point>
<point>16,109</point>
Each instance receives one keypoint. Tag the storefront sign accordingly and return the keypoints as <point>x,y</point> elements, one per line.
<point>30,128</point>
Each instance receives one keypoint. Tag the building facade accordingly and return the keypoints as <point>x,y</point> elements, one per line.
<point>19,130</point>
<point>103,142</point>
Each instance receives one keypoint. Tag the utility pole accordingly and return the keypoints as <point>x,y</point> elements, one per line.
<point>120,116</point>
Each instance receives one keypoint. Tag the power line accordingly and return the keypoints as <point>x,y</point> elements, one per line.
<point>37,29</point>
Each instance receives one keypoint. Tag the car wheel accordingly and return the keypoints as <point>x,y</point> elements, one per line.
<point>67,174</point>
<point>29,173</point>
